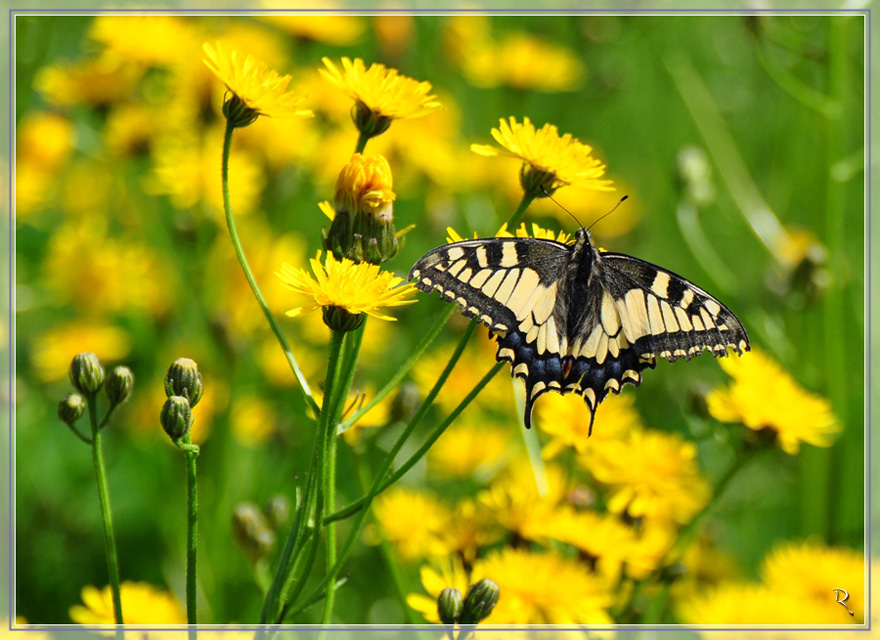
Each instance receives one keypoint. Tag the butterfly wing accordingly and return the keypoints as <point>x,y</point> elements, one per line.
<point>495,280</point>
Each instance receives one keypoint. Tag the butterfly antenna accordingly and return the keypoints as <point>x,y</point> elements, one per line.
<point>556,202</point>
<point>609,213</point>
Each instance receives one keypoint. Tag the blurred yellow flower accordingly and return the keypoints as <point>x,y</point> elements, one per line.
<point>142,603</point>
<point>412,521</point>
<point>185,169</point>
<point>549,160</point>
<point>650,549</point>
<point>261,89</point>
<point>44,139</point>
<point>252,419</point>
<point>130,128</point>
<point>448,572</point>
<point>97,82</point>
<point>764,396</point>
<point>565,419</point>
<point>470,529</point>
<point>733,603</point>
<point>542,587</point>
<point>515,499</point>
<point>54,350</point>
<point>383,91</point>
<point>793,246</point>
<point>146,39</point>
<point>86,268</point>
<point>649,474</point>
<point>469,448</point>
<point>603,538</point>
<point>357,288</point>
<point>809,570</point>
<point>330,29</point>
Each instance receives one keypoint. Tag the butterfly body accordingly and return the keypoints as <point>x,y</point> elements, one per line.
<point>572,319</point>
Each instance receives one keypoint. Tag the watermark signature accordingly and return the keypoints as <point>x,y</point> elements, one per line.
<point>842,601</point>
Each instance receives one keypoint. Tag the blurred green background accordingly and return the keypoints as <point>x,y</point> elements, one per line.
<point>719,128</point>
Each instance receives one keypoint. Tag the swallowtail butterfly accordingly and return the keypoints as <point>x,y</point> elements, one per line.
<point>570,318</point>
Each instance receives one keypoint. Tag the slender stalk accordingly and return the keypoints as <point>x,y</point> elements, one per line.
<point>239,252</point>
<point>106,516</point>
<point>191,452</point>
<point>520,210</point>
<point>379,485</point>
<point>362,142</point>
<point>420,412</point>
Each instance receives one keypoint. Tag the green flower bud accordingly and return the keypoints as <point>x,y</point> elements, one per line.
<point>71,408</point>
<point>449,605</point>
<point>118,387</point>
<point>370,123</point>
<point>537,183</point>
<point>340,319</point>
<point>252,530</point>
<point>86,373</point>
<point>176,417</point>
<point>238,113</point>
<point>183,379</point>
<point>480,600</point>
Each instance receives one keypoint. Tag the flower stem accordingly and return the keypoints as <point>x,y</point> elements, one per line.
<point>520,210</point>
<point>379,485</point>
<point>239,252</point>
<point>104,499</point>
<point>362,142</point>
<point>191,452</point>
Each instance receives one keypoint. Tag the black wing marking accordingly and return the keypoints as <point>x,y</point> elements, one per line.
<point>495,280</point>
<point>665,315</point>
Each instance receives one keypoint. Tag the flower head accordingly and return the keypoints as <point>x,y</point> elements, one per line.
<point>142,603</point>
<point>413,521</point>
<point>764,396</point>
<point>257,90</point>
<point>380,94</point>
<point>549,160</point>
<point>355,288</point>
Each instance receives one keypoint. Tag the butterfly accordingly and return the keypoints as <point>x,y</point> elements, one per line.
<point>572,319</point>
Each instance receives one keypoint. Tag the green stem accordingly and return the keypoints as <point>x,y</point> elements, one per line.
<point>352,347</point>
<point>379,485</point>
<point>520,210</point>
<point>192,533</point>
<point>403,369</point>
<point>239,252</point>
<point>79,434</point>
<point>104,499</point>
<point>362,142</point>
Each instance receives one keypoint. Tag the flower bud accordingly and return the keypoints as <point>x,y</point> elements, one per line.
<point>341,319</point>
<point>71,408</point>
<point>537,183</point>
<point>176,417</point>
<point>449,605</point>
<point>480,600</point>
<point>86,373</point>
<point>363,223</point>
<point>118,387</point>
<point>183,379</point>
<point>237,112</point>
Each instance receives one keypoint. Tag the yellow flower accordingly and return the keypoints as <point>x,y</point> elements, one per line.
<point>469,448</point>
<point>333,29</point>
<point>650,548</point>
<point>649,474</point>
<point>252,420</point>
<point>380,94</point>
<point>54,349</point>
<point>100,82</point>
<point>44,139</point>
<point>470,529</point>
<point>412,521</point>
<point>549,160</point>
<point>261,90</point>
<point>764,396</point>
<point>151,40</point>
<point>542,587</point>
<point>731,604</point>
<point>521,232</point>
<point>357,288</point>
<point>809,571</point>
<point>567,422</point>
<point>142,603</point>
<point>448,572</point>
